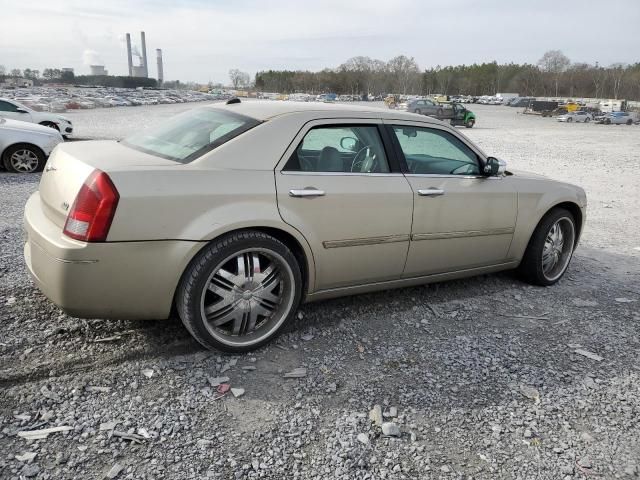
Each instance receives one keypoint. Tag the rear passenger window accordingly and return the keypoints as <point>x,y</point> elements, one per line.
<point>343,148</point>
<point>435,152</point>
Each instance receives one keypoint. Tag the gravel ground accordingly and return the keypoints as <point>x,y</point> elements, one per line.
<point>481,378</point>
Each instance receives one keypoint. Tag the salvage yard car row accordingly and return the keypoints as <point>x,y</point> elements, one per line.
<point>61,99</point>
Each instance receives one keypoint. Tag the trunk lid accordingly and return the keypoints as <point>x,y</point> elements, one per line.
<point>72,162</point>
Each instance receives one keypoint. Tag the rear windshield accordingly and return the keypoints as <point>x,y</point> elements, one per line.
<point>190,135</point>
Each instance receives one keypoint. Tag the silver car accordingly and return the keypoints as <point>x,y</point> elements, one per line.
<point>577,117</point>
<point>24,146</point>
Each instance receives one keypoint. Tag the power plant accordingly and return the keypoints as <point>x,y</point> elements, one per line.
<point>142,70</point>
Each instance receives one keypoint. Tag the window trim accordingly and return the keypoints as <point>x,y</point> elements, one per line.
<point>482,161</point>
<point>392,159</point>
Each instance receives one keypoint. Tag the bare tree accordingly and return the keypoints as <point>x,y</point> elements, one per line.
<point>406,73</point>
<point>238,78</point>
<point>617,72</point>
<point>555,63</point>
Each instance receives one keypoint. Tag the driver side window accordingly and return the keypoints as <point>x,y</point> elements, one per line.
<point>340,148</point>
<point>435,152</point>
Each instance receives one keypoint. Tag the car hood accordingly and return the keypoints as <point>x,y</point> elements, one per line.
<point>7,123</point>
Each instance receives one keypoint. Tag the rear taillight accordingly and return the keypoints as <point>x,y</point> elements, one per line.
<point>90,216</point>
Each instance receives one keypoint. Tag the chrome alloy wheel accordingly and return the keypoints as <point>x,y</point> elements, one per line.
<point>24,161</point>
<point>558,248</point>
<point>248,296</point>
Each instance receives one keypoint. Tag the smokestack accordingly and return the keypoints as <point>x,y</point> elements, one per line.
<point>129,55</point>
<point>143,45</point>
<point>160,72</point>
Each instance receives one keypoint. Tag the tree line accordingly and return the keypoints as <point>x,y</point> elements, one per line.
<point>553,75</point>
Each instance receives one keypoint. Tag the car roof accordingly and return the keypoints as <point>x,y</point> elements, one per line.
<point>266,109</point>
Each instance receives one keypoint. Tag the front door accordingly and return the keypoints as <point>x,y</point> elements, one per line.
<point>9,110</point>
<point>461,219</point>
<point>340,191</point>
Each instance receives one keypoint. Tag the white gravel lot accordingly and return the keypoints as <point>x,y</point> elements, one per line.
<point>485,373</point>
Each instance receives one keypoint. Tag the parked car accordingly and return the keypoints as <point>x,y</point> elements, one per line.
<point>424,106</point>
<point>235,213</point>
<point>578,116</point>
<point>24,146</point>
<point>17,111</point>
<point>621,118</point>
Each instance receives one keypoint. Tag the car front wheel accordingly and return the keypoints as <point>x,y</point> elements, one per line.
<point>550,248</point>
<point>239,291</point>
<point>23,158</point>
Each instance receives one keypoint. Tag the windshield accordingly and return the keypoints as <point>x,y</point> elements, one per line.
<point>191,134</point>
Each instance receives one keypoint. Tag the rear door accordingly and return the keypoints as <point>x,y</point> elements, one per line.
<point>461,219</point>
<point>338,186</point>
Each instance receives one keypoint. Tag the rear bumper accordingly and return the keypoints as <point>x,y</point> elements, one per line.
<point>123,280</point>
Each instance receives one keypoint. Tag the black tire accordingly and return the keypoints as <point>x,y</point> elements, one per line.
<point>470,123</point>
<point>531,268</point>
<point>587,120</point>
<point>569,119</point>
<point>201,274</point>
<point>50,125</point>
<point>37,161</point>
<point>417,110</point>
<point>607,121</point>
<point>629,122</point>
<point>440,112</point>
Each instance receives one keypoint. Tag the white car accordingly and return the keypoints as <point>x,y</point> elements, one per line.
<point>17,111</point>
<point>24,146</point>
<point>580,116</point>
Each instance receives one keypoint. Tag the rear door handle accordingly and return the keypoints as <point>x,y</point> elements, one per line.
<point>306,192</point>
<point>430,192</point>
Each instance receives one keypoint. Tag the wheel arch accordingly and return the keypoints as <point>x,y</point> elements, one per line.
<point>299,247</point>
<point>20,144</point>
<point>522,237</point>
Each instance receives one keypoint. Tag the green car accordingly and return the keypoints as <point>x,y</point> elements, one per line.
<point>462,116</point>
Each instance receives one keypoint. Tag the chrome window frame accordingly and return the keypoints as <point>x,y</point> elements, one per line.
<point>334,122</point>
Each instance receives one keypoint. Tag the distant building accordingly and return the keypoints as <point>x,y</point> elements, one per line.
<point>98,70</point>
<point>138,71</point>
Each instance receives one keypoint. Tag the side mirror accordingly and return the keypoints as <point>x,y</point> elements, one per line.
<point>348,143</point>
<point>495,167</point>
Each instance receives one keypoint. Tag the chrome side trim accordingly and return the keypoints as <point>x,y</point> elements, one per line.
<point>436,175</point>
<point>357,242</point>
<point>340,174</point>
<point>470,233</point>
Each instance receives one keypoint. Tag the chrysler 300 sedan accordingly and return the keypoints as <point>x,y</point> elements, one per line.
<point>233,214</point>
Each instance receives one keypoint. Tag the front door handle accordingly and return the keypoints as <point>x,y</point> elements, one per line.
<point>306,192</point>
<point>430,192</point>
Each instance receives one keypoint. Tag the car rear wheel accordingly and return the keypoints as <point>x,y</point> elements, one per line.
<point>240,291</point>
<point>629,122</point>
<point>470,123</point>
<point>50,125</point>
<point>569,119</point>
<point>550,249</point>
<point>587,120</point>
<point>23,158</point>
<point>418,111</point>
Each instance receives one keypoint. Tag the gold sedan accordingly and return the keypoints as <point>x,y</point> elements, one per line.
<point>236,213</point>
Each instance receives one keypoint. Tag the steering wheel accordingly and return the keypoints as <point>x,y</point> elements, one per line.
<point>366,163</point>
<point>305,164</point>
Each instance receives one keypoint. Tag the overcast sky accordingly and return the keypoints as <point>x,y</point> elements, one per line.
<point>202,39</point>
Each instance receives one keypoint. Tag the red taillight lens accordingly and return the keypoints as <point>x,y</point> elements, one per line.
<point>90,216</point>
